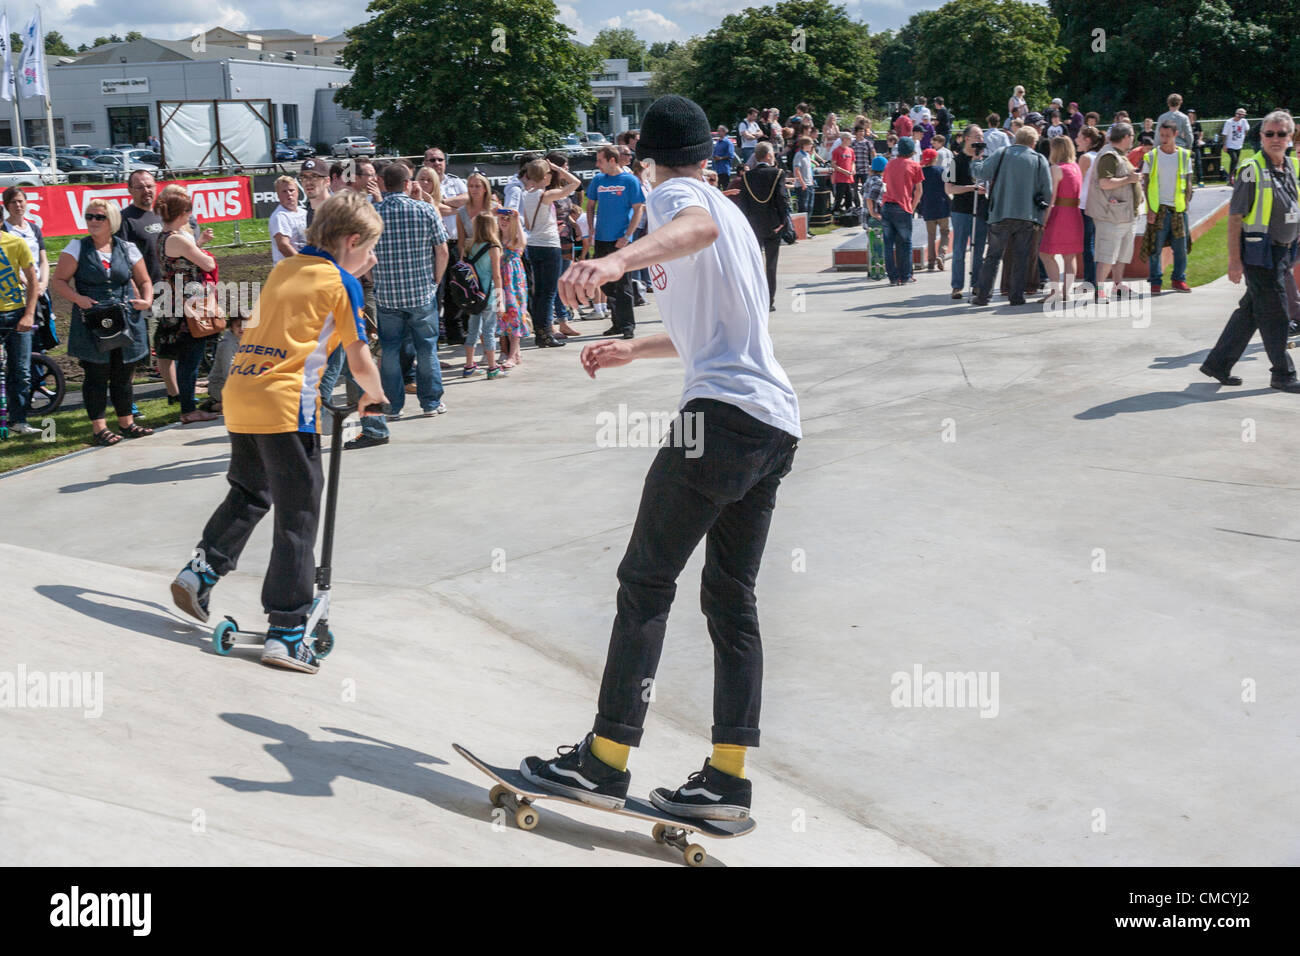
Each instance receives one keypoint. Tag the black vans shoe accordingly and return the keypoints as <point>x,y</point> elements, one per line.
<point>579,774</point>
<point>708,794</point>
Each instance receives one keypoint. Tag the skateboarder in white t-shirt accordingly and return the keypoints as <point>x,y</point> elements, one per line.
<point>714,479</point>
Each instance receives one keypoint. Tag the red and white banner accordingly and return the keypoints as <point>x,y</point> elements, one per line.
<point>58,209</point>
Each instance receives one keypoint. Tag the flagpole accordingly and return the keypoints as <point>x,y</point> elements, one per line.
<point>13,84</point>
<point>45,79</point>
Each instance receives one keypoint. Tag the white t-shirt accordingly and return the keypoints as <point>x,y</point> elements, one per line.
<point>133,254</point>
<point>1167,173</point>
<point>714,308</point>
<point>291,224</point>
<point>452,186</point>
<point>943,159</point>
<point>747,127</point>
<point>543,231</point>
<point>1234,133</point>
<point>919,114</point>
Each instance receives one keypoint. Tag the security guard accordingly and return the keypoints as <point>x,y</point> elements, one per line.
<point>1263,227</point>
<point>1167,179</point>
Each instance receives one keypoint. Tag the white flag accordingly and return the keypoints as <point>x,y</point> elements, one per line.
<point>31,78</point>
<point>7,82</point>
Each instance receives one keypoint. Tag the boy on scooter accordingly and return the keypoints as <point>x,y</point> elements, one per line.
<point>311,303</point>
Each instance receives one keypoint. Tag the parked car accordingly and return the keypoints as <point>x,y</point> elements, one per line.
<point>145,156</point>
<point>353,146</point>
<point>284,153</point>
<point>592,138</point>
<point>120,163</point>
<point>79,169</point>
<point>21,171</point>
<point>300,148</point>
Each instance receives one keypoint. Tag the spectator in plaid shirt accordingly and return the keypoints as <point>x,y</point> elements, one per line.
<point>864,151</point>
<point>410,259</point>
<point>875,188</point>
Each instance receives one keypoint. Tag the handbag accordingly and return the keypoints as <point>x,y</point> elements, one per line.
<point>203,315</point>
<point>106,322</point>
<point>46,337</point>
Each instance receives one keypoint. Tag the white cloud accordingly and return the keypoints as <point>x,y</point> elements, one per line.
<point>570,17</point>
<point>647,24</point>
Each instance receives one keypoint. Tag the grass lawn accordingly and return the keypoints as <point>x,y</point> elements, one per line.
<point>1209,256</point>
<point>71,432</point>
<point>250,231</point>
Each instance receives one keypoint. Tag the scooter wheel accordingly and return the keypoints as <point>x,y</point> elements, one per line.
<point>324,642</point>
<point>223,637</point>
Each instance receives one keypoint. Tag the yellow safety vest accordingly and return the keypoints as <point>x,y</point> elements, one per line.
<point>1255,247</point>
<point>1153,179</point>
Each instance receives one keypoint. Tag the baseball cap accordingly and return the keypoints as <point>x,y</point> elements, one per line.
<point>317,167</point>
<point>1056,101</point>
<point>878,164</point>
<point>928,156</point>
<point>1074,106</point>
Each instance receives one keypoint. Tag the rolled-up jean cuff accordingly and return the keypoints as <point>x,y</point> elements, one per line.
<point>619,733</point>
<point>736,736</point>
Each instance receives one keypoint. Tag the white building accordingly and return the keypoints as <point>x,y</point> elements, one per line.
<point>622,97</point>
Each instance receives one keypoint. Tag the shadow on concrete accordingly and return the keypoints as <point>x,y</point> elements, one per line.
<point>1163,401</point>
<point>157,475</point>
<point>157,621</point>
<point>222,439</point>
<point>1165,362</point>
<point>314,765</point>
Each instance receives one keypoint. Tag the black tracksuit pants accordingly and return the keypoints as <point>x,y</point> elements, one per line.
<point>283,471</point>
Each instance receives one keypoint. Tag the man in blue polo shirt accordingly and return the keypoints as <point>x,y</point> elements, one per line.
<point>616,204</point>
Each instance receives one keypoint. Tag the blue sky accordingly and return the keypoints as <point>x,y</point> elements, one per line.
<point>81,22</point>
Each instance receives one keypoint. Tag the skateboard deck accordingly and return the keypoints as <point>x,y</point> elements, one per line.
<point>516,792</point>
<point>875,252</point>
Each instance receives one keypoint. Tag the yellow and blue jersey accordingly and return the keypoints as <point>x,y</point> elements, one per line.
<point>15,256</point>
<point>309,306</point>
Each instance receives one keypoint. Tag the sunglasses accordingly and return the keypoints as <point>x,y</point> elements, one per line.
<point>1274,132</point>
<point>438,159</point>
<point>96,217</point>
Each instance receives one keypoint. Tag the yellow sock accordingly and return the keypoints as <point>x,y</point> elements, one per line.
<point>729,758</point>
<point>607,751</point>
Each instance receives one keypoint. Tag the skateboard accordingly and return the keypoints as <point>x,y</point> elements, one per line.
<point>517,793</point>
<point>875,252</point>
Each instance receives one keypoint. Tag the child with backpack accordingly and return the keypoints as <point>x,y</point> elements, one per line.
<point>484,256</point>
<point>311,303</point>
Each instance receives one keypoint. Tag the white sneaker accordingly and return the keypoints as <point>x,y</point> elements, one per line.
<point>22,428</point>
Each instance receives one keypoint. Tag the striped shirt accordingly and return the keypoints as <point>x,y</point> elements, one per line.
<point>406,252</point>
<point>864,151</point>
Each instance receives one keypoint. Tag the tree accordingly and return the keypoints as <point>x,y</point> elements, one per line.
<point>974,52</point>
<point>780,55</point>
<point>55,45</point>
<point>672,68</point>
<point>134,35</point>
<point>1217,54</point>
<point>621,45</point>
<point>505,72</point>
<point>897,78</point>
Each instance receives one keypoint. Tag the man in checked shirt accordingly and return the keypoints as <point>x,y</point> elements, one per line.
<point>864,151</point>
<point>411,258</point>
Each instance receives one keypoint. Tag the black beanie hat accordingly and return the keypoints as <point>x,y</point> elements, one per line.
<point>675,132</point>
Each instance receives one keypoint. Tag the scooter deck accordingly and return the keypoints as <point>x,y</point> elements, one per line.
<point>669,828</point>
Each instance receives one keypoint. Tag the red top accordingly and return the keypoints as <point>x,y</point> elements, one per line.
<point>842,158</point>
<point>901,176</point>
<point>903,126</point>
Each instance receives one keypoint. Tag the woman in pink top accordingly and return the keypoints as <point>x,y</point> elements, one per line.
<point>1063,234</point>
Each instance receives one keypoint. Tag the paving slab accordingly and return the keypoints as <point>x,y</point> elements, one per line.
<point>1056,507</point>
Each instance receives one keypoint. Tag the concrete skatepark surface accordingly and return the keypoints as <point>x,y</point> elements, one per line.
<point>1062,504</point>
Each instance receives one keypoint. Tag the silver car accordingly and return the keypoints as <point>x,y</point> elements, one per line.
<point>353,146</point>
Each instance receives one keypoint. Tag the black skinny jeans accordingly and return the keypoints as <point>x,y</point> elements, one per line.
<point>105,378</point>
<point>724,494</point>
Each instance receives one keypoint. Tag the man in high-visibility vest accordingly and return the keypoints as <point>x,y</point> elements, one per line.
<point>1263,229</point>
<point>1167,180</point>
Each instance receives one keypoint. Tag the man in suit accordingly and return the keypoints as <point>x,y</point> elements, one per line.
<point>765,203</point>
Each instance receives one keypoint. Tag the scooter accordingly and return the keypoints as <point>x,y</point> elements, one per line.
<point>227,633</point>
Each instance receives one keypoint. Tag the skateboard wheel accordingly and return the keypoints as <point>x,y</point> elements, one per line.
<point>695,855</point>
<point>223,636</point>
<point>526,817</point>
<point>324,641</point>
<point>658,833</point>
<point>496,795</point>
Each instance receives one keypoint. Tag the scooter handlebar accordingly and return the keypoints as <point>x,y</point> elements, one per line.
<point>343,411</point>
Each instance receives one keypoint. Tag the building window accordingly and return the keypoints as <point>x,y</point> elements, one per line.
<point>290,113</point>
<point>128,124</point>
<point>83,127</point>
<point>35,130</point>
<point>604,78</point>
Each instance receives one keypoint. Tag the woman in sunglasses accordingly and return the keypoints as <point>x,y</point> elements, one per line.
<point>99,270</point>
